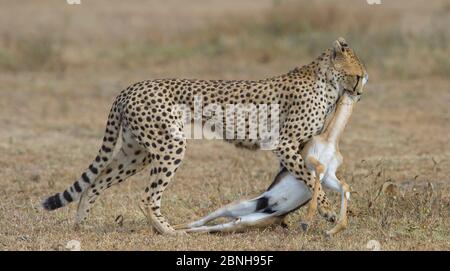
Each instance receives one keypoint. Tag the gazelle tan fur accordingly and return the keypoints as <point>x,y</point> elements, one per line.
<point>287,194</point>
<point>323,158</point>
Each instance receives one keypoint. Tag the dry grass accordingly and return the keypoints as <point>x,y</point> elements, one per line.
<point>58,84</point>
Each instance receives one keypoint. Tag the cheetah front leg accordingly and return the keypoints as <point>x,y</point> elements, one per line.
<point>289,155</point>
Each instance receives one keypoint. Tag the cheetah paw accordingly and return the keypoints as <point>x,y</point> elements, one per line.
<point>329,215</point>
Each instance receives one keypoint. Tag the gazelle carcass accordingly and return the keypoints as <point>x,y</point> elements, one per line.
<point>286,193</point>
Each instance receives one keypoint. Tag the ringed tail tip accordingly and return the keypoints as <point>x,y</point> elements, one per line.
<point>52,203</point>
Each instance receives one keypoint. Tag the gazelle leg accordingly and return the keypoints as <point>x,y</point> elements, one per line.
<point>233,210</point>
<point>312,207</point>
<point>343,221</point>
<point>240,223</point>
<point>225,227</point>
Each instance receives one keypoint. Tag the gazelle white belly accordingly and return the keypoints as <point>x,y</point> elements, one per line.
<point>288,194</point>
<point>325,152</point>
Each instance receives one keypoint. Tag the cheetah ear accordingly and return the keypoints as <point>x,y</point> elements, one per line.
<point>342,41</point>
<point>337,48</point>
<point>336,53</point>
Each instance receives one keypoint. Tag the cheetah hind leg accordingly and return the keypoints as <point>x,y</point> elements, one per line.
<point>118,172</point>
<point>131,159</point>
<point>151,203</point>
<point>163,169</point>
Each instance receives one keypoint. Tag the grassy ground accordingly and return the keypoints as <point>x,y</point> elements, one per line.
<point>61,66</point>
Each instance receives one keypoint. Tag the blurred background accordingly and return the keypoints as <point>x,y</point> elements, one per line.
<point>396,39</point>
<point>61,66</point>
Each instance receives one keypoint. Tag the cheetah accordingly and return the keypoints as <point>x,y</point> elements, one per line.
<point>152,131</point>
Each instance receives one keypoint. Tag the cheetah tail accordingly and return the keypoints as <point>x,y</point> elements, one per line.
<point>103,158</point>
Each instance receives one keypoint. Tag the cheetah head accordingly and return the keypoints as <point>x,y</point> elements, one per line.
<point>350,74</point>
